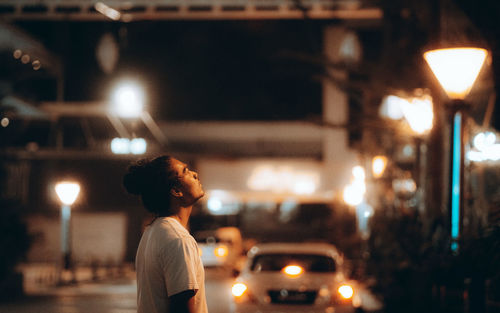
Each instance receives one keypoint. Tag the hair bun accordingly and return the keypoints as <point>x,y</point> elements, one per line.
<point>135,181</point>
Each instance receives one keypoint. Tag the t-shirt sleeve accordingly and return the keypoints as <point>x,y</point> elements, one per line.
<point>179,266</point>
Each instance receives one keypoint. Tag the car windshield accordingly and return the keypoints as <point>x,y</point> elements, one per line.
<point>309,262</point>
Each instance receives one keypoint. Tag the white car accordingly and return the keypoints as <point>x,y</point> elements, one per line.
<point>221,247</point>
<point>294,277</point>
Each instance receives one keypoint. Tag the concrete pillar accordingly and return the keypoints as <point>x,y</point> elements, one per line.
<point>338,158</point>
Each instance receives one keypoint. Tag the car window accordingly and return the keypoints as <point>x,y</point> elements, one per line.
<point>310,262</point>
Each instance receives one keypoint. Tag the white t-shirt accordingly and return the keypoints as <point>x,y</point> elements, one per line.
<point>167,263</point>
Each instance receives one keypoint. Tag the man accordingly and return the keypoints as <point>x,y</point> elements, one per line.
<point>170,275</point>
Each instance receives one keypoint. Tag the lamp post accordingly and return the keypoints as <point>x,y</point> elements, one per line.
<point>456,70</point>
<point>419,115</point>
<point>67,193</point>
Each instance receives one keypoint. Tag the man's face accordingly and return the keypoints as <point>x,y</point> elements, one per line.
<point>189,184</point>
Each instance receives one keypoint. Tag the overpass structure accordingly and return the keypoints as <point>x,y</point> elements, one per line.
<point>126,11</point>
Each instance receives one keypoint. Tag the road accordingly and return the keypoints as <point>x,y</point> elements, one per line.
<point>117,296</point>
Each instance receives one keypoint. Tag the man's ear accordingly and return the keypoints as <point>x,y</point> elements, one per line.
<point>176,192</point>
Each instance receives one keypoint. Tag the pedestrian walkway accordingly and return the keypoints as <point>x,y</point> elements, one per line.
<point>107,294</point>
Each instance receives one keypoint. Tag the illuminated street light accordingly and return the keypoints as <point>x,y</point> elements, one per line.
<point>128,100</point>
<point>354,193</point>
<point>456,70</point>
<point>379,163</point>
<point>138,146</point>
<point>418,113</point>
<point>391,107</point>
<point>486,148</point>
<point>67,193</point>
<point>483,141</point>
<point>126,146</point>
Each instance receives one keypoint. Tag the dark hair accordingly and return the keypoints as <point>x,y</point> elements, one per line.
<point>152,180</point>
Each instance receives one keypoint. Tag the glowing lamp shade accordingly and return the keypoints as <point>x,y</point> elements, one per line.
<point>346,291</point>
<point>67,192</point>
<point>456,69</point>
<point>238,289</point>
<point>293,270</point>
<point>379,164</point>
<point>128,100</point>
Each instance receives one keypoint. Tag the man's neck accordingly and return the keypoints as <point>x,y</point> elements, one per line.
<point>183,215</point>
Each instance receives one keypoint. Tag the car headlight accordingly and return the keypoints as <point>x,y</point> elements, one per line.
<point>221,251</point>
<point>239,289</point>
<point>346,291</point>
<point>241,294</point>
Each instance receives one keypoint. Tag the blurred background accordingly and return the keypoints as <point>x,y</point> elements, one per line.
<point>337,121</point>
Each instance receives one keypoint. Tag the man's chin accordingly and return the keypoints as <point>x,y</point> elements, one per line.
<point>201,195</point>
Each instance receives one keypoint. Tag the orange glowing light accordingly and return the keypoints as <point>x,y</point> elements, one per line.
<point>346,291</point>
<point>221,251</point>
<point>238,289</point>
<point>293,270</point>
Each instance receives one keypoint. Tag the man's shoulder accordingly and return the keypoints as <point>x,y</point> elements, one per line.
<point>168,230</point>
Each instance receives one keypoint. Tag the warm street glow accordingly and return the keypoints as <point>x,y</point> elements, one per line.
<point>378,165</point>
<point>418,112</point>
<point>354,193</point>
<point>456,69</point>
<point>128,100</point>
<point>238,289</point>
<point>67,192</point>
<point>221,251</point>
<point>359,173</point>
<point>293,270</point>
<point>391,107</point>
<point>346,291</point>
<point>283,179</point>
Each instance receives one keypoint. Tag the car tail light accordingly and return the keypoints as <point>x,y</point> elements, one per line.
<point>221,251</point>
<point>293,270</point>
<point>346,291</point>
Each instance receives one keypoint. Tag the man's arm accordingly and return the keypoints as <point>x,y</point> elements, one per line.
<point>183,302</point>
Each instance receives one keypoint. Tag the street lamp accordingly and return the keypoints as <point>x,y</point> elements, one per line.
<point>128,100</point>
<point>419,115</point>
<point>456,70</point>
<point>67,193</point>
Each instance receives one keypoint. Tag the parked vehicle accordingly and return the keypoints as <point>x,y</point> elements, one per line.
<point>294,277</point>
<point>221,247</point>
